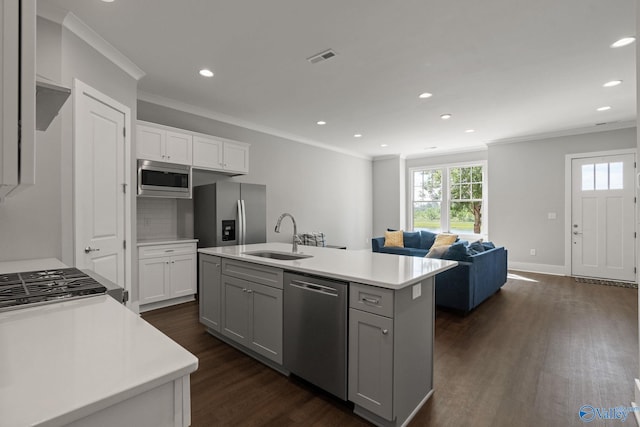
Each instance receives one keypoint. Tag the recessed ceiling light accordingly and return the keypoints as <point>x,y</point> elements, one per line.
<point>446,116</point>
<point>425,95</point>
<point>470,130</point>
<point>321,122</point>
<point>384,145</point>
<point>108,1</point>
<point>612,83</point>
<point>623,42</point>
<point>206,73</point>
<point>357,135</point>
<point>605,108</point>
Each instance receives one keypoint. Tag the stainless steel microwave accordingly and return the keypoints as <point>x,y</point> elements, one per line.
<point>157,179</point>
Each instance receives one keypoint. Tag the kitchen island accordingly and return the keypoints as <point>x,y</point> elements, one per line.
<point>88,362</point>
<point>389,320</point>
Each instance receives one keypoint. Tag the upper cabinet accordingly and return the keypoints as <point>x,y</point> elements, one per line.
<point>163,145</point>
<point>220,154</point>
<point>17,95</point>
<point>171,145</point>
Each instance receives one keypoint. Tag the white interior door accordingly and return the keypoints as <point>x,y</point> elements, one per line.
<point>602,226</point>
<point>99,146</point>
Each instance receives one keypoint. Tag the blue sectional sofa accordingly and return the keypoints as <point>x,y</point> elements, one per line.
<point>480,272</point>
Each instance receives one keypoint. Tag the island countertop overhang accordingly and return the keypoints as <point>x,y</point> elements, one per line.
<point>362,266</point>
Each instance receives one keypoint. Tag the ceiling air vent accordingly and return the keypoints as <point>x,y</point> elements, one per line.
<point>322,56</point>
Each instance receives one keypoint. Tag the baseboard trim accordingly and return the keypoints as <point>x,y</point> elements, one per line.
<point>166,303</point>
<point>555,270</point>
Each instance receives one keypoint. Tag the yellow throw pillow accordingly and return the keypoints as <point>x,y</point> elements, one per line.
<point>393,239</point>
<point>444,239</point>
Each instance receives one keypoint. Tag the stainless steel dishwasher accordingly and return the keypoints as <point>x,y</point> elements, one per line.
<point>315,331</point>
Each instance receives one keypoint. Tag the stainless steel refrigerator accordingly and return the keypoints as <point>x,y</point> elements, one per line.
<point>230,213</point>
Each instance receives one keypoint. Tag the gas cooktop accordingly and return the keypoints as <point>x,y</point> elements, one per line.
<point>34,287</point>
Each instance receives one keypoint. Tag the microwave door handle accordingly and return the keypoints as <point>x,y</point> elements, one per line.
<point>240,230</point>
<point>244,223</point>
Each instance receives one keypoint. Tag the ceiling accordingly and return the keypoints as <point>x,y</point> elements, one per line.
<point>506,68</point>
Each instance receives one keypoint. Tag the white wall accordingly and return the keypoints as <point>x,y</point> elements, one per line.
<point>39,221</point>
<point>526,182</point>
<point>30,221</point>
<point>324,190</point>
<point>389,195</point>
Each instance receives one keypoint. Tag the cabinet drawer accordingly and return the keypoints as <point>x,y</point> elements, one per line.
<point>371,299</point>
<point>269,276</point>
<point>166,250</point>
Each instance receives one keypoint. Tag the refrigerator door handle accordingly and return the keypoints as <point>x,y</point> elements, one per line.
<point>244,222</point>
<point>240,229</point>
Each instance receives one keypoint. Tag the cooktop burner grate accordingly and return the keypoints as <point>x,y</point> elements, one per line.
<point>45,286</point>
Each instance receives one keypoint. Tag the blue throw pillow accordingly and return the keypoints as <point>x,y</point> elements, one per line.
<point>488,245</point>
<point>457,252</point>
<point>411,239</point>
<point>476,248</point>
<point>426,239</point>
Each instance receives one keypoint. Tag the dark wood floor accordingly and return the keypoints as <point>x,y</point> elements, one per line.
<point>531,355</point>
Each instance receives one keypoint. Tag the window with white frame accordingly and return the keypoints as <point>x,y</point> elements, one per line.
<point>449,198</point>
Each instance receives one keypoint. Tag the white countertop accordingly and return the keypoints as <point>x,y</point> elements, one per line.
<point>362,266</point>
<point>166,241</point>
<point>60,362</point>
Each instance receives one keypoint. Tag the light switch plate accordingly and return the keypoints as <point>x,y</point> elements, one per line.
<point>417,290</point>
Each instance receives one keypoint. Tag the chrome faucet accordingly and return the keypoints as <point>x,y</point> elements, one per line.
<point>295,230</point>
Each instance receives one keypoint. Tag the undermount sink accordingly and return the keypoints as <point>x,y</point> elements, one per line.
<point>285,256</point>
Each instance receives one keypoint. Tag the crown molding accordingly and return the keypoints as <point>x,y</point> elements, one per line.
<point>209,114</point>
<point>74,24</point>
<point>50,12</point>
<point>566,132</point>
<point>446,152</point>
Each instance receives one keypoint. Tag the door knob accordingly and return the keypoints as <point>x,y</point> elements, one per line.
<point>89,249</point>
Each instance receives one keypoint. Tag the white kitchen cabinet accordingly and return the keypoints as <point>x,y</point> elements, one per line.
<point>161,144</point>
<point>167,274</point>
<point>220,155</point>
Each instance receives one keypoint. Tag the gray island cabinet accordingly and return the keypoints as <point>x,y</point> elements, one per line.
<point>390,317</point>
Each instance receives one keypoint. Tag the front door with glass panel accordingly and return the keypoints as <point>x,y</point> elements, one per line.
<point>602,217</point>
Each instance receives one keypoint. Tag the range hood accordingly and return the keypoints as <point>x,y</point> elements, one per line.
<point>50,97</point>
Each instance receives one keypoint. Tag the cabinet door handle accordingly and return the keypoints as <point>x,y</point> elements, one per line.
<point>169,250</point>
<point>371,300</point>
<point>249,291</point>
<point>385,331</point>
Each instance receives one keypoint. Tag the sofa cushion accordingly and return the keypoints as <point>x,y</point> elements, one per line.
<point>426,239</point>
<point>476,248</point>
<point>393,239</point>
<point>411,239</point>
<point>457,252</point>
<point>404,251</point>
<point>488,245</point>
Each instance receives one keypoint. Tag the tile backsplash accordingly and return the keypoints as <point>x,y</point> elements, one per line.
<point>157,218</point>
